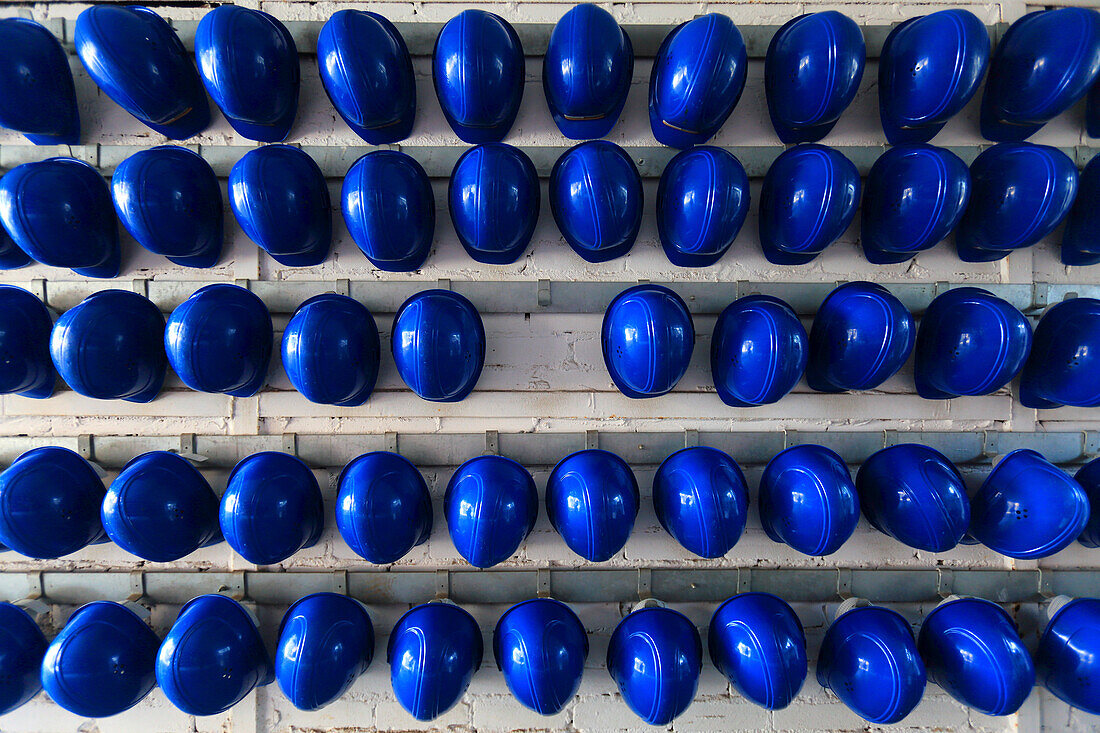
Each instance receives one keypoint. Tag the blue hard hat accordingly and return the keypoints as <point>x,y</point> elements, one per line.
<point>383,508</point>
<point>326,641</point>
<point>110,346</point>
<point>929,69</point>
<point>37,95</point>
<point>596,199</point>
<point>220,340</point>
<point>1044,64</point>
<point>808,200</point>
<point>701,499</point>
<point>1092,112</point>
<point>160,508</point>
<point>861,336</point>
<point>280,198</point>
<point>59,212</point>
<point>249,64</point>
<point>1068,660</point>
<point>1088,476</point>
<point>586,72</point>
<point>758,351</point>
<point>914,198</point>
<point>1028,507</point>
<point>491,505</point>
<point>389,208</point>
<point>1021,192</point>
<point>541,647</point>
<point>869,660</point>
<point>970,342</point>
<point>271,508</point>
<point>438,345</point>
<point>102,661</point>
<point>494,201</point>
<point>25,325</point>
<point>478,69</point>
<point>807,500</point>
<point>812,72</point>
<point>11,256</point>
<point>757,642</point>
<point>702,201</point>
<point>136,58</point>
<point>22,646</point>
<point>592,500</point>
<point>647,339</point>
<point>696,81</point>
<point>914,494</point>
<point>170,201</point>
<point>655,657</point>
<point>1081,238</point>
<point>331,350</point>
<point>1060,370</point>
<point>367,73</point>
<point>212,657</point>
<point>972,650</point>
<point>433,652</point>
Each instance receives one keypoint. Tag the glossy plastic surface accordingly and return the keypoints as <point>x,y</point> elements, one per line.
<point>37,94</point>
<point>22,646</point>
<point>647,339</point>
<point>540,647</point>
<point>494,202</point>
<point>491,505</point>
<point>389,208</point>
<point>25,325</point>
<point>1081,237</point>
<point>592,500</point>
<point>331,349</point>
<point>11,256</point>
<point>1061,369</point>
<point>438,345</point>
<point>701,499</point>
<point>1088,476</point>
<point>1092,112</point>
<point>758,351</point>
<point>1068,660</point>
<point>383,508</point>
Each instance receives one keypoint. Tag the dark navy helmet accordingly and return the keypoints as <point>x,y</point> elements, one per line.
<point>25,325</point>
<point>758,351</point>
<point>1060,370</point>
<point>592,500</point>
<point>702,202</point>
<point>433,652</point>
<point>438,345</point>
<point>389,208</point>
<point>647,339</point>
<point>586,72</point>
<point>701,499</point>
<point>37,95</point>
<point>383,508</point>
<point>136,58</point>
<point>11,256</point>
<point>1088,476</point>
<point>494,202</point>
<point>1092,112</point>
<point>1068,660</point>
<point>1081,238</point>
<point>596,200</point>
<point>541,647</point>
<point>478,69</point>
<point>22,646</point>
<point>491,505</point>
<point>696,81</point>
<point>331,350</point>
<point>220,340</point>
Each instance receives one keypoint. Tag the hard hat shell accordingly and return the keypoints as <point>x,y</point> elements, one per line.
<point>383,508</point>
<point>757,642</point>
<point>22,646</point>
<point>110,346</point>
<point>491,505</point>
<point>592,501</point>
<point>1044,64</point>
<point>586,72</point>
<point>1092,112</point>
<point>170,201</point>
<point>702,201</point>
<point>271,508</point>
<point>647,339</point>
<point>330,350</point>
<point>367,73</point>
<point>478,70</point>
<point>696,81</point>
<point>701,499</point>
<point>1060,369</point>
<point>807,500</point>
<point>541,647</point>
<point>861,336</point>
<point>160,508</point>
<point>494,202</point>
<point>655,657</point>
<point>869,660</point>
<point>25,325</point>
<point>914,198</point>
<point>596,199</point>
<point>972,650</point>
<point>929,69</point>
<point>1068,660</point>
<point>433,652</point>
<point>1028,507</point>
<point>389,208</point>
<point>807,201</point>
<point>11,256</point>
<point>212,657</point>
<point>249,64</point>
<point>1088,476</point>
<point>1081,237</point>
<point>326,640</point>
<point>1020,194</point>
<point>914,494</point>
<point>37,94</point>
<point>812,72</point>
<point>220,340</point>
<point>59,212</point>
<point>969,342</point>
<point>438,345</point>
<point>136,58</point>
<point>758,351</point>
